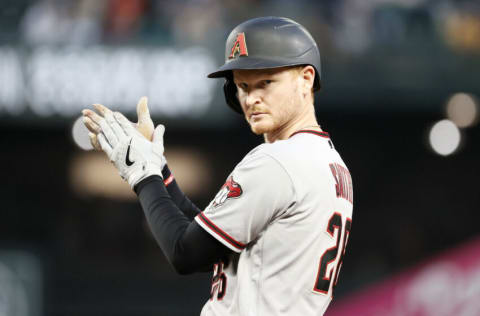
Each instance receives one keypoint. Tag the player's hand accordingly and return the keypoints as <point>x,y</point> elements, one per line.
<point>91,120</point>
<point>134,156</point>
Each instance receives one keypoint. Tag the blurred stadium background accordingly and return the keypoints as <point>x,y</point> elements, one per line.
<point>399,99</point>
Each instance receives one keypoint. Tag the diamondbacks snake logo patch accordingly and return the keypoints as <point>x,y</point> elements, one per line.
<point>230,189</point>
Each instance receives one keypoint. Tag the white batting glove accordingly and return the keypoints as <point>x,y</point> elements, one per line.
<point>91,119</point>
<point>135,157</point>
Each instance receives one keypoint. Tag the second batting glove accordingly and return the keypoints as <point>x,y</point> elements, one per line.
<point>133,155</point>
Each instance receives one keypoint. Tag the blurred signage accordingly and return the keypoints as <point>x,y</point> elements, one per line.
<point>60,81</point>
<point>448,285</point>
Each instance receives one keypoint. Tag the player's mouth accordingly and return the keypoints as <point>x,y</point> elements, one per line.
<point>256,115</point>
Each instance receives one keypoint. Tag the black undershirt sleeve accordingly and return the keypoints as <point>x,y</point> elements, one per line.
<point>178,197</point>
<point>187,246</point>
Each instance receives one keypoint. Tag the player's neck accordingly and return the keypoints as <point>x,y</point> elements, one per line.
<point>306,121</point>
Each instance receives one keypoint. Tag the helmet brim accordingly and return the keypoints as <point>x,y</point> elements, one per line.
<point>250,63</point>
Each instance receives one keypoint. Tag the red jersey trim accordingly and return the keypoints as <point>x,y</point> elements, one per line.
<point>238,245</point>
<point>168,180</point>
<point>321,134</point>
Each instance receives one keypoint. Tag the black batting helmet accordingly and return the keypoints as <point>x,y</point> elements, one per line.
<point>266,42</point>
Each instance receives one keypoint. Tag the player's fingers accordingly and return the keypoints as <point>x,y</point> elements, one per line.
<point>114,124</point>
<point>108,132</point>
<point>91,125</point>
<point>104,144</point>
<point>146,129</point>
<point>143,113</point>
<point>158,134</point>
<point>94,141</point>
<point>102,109</point>
<point>145,124</point>
<point>127,127</point>
<point>92,115</point>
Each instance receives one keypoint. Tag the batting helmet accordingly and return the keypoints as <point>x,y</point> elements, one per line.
<point>266,42</point>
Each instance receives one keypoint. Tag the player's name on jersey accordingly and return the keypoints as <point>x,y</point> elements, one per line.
<point>343,186</point>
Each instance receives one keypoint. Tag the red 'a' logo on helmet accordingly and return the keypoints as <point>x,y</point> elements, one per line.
<point>239,47</point>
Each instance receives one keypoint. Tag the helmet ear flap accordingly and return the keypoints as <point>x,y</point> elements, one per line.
<point>231,98</point>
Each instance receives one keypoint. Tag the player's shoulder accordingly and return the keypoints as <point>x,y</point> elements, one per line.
<point>267,151</point>
<point>258,155</point>
<point>261,165</point>
<point>302,143</point>
<point>259,159</point>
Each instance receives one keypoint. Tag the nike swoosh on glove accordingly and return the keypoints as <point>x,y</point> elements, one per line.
<point>133,155</point>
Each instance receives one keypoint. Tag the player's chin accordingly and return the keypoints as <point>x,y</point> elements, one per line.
<point>260,128</point>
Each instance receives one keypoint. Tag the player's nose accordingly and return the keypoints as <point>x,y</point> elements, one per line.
<point>252,99</point>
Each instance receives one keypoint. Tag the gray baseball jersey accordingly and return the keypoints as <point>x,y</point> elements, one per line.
<point>286,212</point>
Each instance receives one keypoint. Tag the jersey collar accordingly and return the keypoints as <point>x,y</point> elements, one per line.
<point>308,131</point>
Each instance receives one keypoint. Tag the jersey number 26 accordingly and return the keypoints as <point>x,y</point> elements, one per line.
<point>324,280</point>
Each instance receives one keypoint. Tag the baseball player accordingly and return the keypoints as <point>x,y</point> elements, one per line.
<point>277,230</point>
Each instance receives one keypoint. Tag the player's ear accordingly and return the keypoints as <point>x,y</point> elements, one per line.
<point>231,94</point>
<point>307,73</point>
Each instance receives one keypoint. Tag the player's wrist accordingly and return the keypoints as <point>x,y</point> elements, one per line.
<point>146,181</point>
<point>166,172</point>
<point>144,170</point>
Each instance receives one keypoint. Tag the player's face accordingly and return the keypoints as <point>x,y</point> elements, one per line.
<point>270,98</point>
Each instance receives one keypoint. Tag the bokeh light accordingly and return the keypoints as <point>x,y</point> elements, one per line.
<point>462,109</point>
<point>444,137</point>
<point>92,175</point>
<point>80,135</point>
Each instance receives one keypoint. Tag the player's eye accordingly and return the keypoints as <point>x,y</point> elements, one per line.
<point>266,82</point>
<point>243,86</point>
